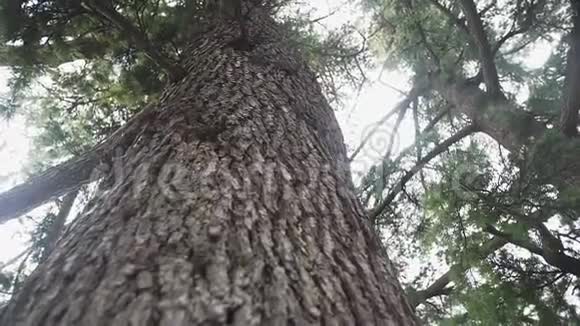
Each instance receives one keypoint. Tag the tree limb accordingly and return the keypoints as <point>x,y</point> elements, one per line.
<point>475,26</point>
<point>56,229</point>
<point>460,23</point>
<point>557,259</point>
<point>418,145</point>
<point>525,26</point>
<point>135,36</point>
<point>395,130</point>
<point>407,150</point>
<point>15,259</point>
<point>464,132</point>
<point>495,117</point>
<point>68,176</point>
<point>440,286</point>
<point>413,95</point>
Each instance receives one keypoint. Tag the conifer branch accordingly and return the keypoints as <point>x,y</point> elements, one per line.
<point>441,285</point>
<point>557,259</point>
<point>412,96</point>
<point>378,210</point>
<point>136,37</point>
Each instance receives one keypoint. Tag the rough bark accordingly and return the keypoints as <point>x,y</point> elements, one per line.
<point>234,206</point>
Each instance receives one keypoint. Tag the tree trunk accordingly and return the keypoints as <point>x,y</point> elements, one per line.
<point>233,206</point>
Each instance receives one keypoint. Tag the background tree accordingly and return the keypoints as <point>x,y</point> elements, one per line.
<point>226,199</point>
<point>491,186</point>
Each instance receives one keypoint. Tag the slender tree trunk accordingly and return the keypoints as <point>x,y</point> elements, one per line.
<point>233,206</point>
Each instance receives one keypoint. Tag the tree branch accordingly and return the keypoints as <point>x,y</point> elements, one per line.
<point>460,23</point>
<point>68,176</point>
<point>557,259</point>
<point>466,131</point>
<point>413,95</point>
<point>495,117</point>
<point>136,37</point>
<point>440,286</point>
<point>525,26</point>
<point>15,259</point>
<point>395,130</point>
<point>55,230</point>
<point>423,37</point>
<point>418,145</point>
<point>475,26</point>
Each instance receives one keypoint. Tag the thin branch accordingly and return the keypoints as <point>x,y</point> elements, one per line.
<point>323,17</point>
<point>423,36</point>
<point>409,149</point>
<point>525,26</point>
<point>395,130</point>
<point>55,230</point>
<point>441,285</point>
<point>418,145</point>
<point>15,259</point>
<point>428,46</point>
<point>466,131</point>
<point>19,271</point>
<point>413,94</point>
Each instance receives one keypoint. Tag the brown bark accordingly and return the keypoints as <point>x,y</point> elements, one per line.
<point>571,107</point>
<point>233,207</point>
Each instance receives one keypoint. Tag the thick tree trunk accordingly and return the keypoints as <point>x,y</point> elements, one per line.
<point>234,206</point>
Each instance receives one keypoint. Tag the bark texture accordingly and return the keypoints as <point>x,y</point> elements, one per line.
<point>571,106</point>
<point>233,206</point>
